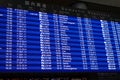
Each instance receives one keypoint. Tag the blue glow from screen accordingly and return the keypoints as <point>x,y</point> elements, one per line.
<point>38,41</point>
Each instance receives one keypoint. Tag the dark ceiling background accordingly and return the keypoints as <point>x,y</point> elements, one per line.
<point>59,2</point>
<point>115,3</point>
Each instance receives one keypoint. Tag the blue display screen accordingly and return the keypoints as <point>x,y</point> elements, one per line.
<point>32,41</point>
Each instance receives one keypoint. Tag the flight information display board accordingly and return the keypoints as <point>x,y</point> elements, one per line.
<point>57,41</point>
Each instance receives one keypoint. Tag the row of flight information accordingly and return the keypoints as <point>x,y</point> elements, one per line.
<point>34,41</point>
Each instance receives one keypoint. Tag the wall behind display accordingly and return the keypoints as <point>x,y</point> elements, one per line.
<point>105,2</point>
<point>115,3</point>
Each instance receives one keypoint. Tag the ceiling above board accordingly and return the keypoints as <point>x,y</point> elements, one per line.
<point>115,3</point>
